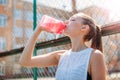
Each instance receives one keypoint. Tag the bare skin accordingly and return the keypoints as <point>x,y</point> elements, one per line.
<point>96,69</point>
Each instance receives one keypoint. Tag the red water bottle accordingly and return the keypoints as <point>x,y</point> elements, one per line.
<point>52,24</point>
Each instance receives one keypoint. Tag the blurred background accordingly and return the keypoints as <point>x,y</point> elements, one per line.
<point>16,27</point>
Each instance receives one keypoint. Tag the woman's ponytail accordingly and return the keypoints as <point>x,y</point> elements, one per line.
<point>94,34</point>
<point>97,40</point>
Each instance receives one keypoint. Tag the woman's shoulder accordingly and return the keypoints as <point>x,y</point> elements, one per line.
<point>97,64</point>
<point>96,52</point>
<point>96,55</point>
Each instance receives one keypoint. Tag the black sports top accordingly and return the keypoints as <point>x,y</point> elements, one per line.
<point>89,76</point>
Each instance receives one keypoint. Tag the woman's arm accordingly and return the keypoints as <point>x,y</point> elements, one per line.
<point>45,60</point>
<point>98,69</point>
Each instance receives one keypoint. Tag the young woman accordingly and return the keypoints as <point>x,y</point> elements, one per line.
<point>78,63</point>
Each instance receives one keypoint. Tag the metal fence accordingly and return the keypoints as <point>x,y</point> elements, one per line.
<point>27,13</point>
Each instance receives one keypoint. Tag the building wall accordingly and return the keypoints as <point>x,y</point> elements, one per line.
<point>6,30</point>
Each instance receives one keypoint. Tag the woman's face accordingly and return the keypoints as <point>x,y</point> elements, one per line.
<point>73,26</point>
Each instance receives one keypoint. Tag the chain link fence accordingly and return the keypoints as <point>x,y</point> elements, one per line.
<point>22,28</point>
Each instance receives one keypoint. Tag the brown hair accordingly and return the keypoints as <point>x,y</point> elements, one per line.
<point>94,32</point>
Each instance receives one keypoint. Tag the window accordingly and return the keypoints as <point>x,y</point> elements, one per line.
<point>18,32</point>
<point>39,16</point>
<point>3,20</point>
<point>28,31</point>
<point>3,2</point>
<point>16,45</point>
<point>18,14</point>
<point>29,15</point>
<point>2,43</point>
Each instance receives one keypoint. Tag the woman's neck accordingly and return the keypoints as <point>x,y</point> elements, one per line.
<point>78,44</point>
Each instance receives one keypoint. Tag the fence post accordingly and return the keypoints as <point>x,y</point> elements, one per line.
<point>34,26</point>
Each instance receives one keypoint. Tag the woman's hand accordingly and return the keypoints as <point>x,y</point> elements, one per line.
<point>42,28</point>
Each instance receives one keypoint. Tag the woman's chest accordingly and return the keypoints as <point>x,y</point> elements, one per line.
<point>72,68</point>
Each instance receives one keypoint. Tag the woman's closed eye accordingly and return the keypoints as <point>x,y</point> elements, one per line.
<point>72,20</point>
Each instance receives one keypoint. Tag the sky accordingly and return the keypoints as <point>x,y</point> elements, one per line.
<point>113,6</point>
<point>66,4</point>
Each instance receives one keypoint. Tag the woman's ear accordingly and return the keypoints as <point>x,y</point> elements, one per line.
<point>84,28</point>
